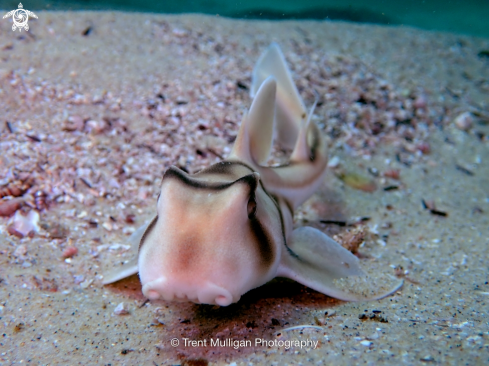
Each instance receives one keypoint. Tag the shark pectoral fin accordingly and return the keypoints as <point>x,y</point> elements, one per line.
<point>317,261</point>
<point>260,121</point>
<point>130,268</point>
<point>126,270</point>
<point>135,238</point>
<point>290,110</point>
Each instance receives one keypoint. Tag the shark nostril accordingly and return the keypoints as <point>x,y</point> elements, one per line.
<point>222,300</point>
<point>210,293</point>
<point>152,295</point>
<point>155,290</point>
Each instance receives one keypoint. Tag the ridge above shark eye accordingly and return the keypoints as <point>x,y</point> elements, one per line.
<point>251,208</point>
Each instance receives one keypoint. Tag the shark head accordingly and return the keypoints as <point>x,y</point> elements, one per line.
<point>210,241</point>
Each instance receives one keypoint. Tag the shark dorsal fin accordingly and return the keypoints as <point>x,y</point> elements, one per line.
<point>290,109</point>
<point>302,150</point>
<point>255,135</point>
<point>261,120</point>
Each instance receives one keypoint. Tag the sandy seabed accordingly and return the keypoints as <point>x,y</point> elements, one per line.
<point>95,106</point>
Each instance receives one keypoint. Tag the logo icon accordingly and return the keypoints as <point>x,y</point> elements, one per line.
<point>20,17</point>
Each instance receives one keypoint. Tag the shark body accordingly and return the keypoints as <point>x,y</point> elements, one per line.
<point>229,228</point>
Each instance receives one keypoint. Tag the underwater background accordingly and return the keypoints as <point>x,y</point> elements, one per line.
<point>469,17</point>
<point>99,98</point>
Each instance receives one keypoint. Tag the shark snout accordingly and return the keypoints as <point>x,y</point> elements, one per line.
<point>203,292</point>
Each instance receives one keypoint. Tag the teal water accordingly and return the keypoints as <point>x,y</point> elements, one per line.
<point>459,16</point>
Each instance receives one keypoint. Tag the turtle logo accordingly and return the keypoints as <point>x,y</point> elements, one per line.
<point>20,17</point>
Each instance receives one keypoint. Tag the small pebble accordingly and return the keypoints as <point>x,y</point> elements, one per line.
<point>74,123</point>
<point>107,226</point>
<point>179,32</point>
<point>20,251</point>
<point>78,279</point>
<point>366,343</point>
<point>392,173</point>
<point>121,309</point>
<point>130,219</point>
<point>373,171</point>
<point>420,102</point>
<point>56,231</point>
<point>334,162</point>
<point>424,147</point>
<point>329,313</point>
<point>69,252</point>
<point>86,283</point>
<point>8,208</point>
<point>464,121</point>
<point>357,181</point>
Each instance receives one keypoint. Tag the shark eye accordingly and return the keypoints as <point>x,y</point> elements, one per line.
<point>251,208</point>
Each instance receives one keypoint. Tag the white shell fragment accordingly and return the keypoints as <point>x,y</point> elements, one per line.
<point>86,283</point>
<point>121,309</point>
<point>25,224</point>
<point>20,251</point>
<point>464,121</point>
<point>334,162</point>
